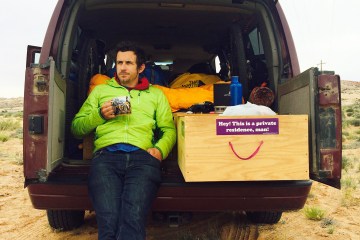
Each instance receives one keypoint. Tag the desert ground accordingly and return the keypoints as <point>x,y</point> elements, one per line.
<point>337,212</point>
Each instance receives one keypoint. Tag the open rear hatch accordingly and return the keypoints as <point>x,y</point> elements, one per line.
<point>317,95</point>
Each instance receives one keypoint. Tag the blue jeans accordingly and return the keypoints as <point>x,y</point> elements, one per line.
<point>122,187</point>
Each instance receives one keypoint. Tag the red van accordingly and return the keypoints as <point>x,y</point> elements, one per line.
<point>247,38</point>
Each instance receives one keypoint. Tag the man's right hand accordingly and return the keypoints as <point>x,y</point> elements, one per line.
<point>107,110</point>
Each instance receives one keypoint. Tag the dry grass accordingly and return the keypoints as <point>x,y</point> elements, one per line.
<point>11,134</point>
<point>351,162</point>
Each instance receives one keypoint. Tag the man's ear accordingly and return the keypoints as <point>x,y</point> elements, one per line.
<point>141,68</point>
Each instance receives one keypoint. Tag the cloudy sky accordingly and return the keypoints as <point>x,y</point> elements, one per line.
<point>323,30</point>
<point>20,26</point>
<point>326,31</point>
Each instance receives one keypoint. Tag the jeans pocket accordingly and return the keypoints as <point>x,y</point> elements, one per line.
<point>97,154</point>
<point>152,160</point>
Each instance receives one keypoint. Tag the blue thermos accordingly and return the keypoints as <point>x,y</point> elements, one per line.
<point>235,91</point>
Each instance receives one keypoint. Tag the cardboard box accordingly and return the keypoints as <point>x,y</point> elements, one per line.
<point>243,148</point>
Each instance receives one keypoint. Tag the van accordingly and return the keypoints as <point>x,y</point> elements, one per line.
<point>246,38</point>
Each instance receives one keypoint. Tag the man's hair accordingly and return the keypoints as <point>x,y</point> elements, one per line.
<point>126,46</point>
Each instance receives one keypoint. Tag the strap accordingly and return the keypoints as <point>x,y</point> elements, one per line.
<point>247,158</point>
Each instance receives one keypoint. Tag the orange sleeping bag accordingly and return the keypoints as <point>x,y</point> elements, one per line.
<point>183,98</point>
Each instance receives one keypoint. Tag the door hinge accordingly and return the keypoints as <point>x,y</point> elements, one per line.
<point>40,83</point>
<point>325,174</point>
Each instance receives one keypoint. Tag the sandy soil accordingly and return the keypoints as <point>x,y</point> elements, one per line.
<point>18,220</point>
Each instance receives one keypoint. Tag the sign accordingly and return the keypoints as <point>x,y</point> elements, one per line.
<point>248,126</point>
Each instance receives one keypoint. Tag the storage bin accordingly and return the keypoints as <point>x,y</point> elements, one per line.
<point>242,148</point>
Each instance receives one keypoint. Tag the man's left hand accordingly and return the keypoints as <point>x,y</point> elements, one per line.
<point>155,153</point>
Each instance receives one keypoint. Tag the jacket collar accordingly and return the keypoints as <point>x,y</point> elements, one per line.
<point>143,84</point>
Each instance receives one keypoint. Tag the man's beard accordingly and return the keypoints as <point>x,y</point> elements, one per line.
<point>123,78</point>
<point>126,79</point>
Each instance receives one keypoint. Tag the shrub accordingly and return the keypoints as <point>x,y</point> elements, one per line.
<point>348,198</point>
<point>355,122</point>
<point>9,125</point>
<point>327,222</point>
<point>352,145</point>
<point>345,133</point>
<point>331,230</point>
<point>349,182</point>
<point>346,163</point>
<point>349,112</point>
<point>19,158</point>
<point>18,114</point>
<point>314,213</point>
<point>18,133</point>
<point>4,137</point>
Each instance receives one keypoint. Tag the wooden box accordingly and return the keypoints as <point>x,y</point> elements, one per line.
<point>243,148</point>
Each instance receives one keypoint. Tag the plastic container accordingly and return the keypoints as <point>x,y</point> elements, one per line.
<point>235,91</point>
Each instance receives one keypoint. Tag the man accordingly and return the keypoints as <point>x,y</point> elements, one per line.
<point>125,171</point>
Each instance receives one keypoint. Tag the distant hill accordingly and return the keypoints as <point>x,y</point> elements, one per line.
<point>350,92</point>
<point>8,103</point>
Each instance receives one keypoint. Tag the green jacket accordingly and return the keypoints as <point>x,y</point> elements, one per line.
<point>150,110</point>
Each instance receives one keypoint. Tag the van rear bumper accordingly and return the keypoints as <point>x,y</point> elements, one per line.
<point>197,197</point>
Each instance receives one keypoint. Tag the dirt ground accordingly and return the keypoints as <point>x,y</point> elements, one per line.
<point>18,219</point>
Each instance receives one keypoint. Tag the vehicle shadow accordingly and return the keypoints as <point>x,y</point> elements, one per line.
<point>189,226</point>
<point>217,226</point>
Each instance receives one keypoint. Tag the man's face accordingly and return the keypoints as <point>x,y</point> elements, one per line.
<point>127,69</point>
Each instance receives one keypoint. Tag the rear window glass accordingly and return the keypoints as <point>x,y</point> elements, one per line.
<point>256,43</point>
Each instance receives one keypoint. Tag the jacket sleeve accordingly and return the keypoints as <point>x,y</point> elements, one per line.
<point>165,123</point>
<point>88,117</point>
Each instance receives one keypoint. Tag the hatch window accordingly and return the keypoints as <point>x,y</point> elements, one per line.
<point>255,42</point>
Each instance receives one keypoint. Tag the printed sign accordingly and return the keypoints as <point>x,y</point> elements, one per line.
<point>247,126</point>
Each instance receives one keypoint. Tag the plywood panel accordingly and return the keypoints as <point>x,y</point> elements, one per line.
<point>277,152</point>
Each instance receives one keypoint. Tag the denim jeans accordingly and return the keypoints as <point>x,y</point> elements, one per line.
<point>122,187</point>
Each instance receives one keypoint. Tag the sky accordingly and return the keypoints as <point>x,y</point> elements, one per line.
<point>323,30</point>
<point>326,31</point>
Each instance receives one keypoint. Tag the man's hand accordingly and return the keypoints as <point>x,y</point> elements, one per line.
<point>107,110</point>
<point>155,153</point>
